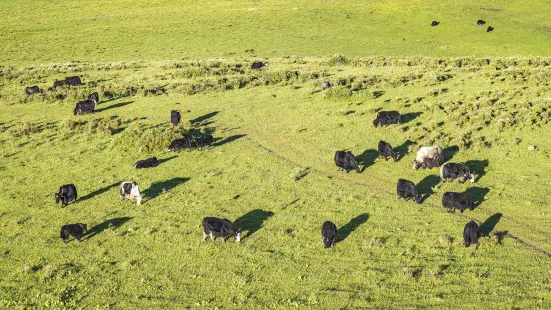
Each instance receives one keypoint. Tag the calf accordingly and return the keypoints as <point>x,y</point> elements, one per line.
<point>94,96</point>
<point>146,163</point>
<point>32,90</point>
<point>215,227</point>
<point>73,80</point>
<point>385,150</point>
<point>434,23</point>
<point>428,157</point>
<point>328,234</point>
<point>76,230</point>
<point>175,117</point>
<point>471,233</point>
<point>461,201</point>
<point>258,65</point>
<point>129,190</point>
<point>480,22</point>
<point>203,140</point>
<point>490,29</point>
<point>179,144</point>
<point>325,85</point>
<point>406,190</point>
<point>85,106</point>
<point>345,160</point>
<point>66,194</point>
<point>387,117</point>
<point>456,171</point>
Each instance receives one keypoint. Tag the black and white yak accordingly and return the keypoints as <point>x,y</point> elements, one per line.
<point>130,190</point>
<point>454,171</point>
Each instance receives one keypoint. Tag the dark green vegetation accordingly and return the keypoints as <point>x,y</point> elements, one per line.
<point>44,31</point>
<point>272,173</point>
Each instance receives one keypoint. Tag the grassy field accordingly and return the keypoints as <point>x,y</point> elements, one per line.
<point>44,31</point>
<point>271,171</point>
<point>483,97</point>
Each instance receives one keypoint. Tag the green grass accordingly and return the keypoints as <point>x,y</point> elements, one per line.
<point>272,172</point>
<point>39,32</point>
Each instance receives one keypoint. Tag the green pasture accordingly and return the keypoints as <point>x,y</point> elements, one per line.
<point>46,31</point>
<point>271,172</point>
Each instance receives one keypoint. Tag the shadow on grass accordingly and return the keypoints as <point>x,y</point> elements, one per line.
<point>488,226</point>
<point>164,160</point>
<point>478,195</point>
<point>425,186</point>
<point>346,230</point>
<point>99,191</point>
<point>367,158</point>
<point>116,105</point>
<point>228,140</point>
<point>402,150</point>
<point>408,117</point>
<point>449,152</point>
<point>203,117</point>
<point>478,167</point>
<point>109,224</point>
<point>252,221</point>
<point>164,186</point>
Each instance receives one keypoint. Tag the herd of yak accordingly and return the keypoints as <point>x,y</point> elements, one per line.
<point>427,157</point>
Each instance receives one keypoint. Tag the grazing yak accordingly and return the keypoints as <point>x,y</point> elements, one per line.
<point>73,80</point>
<point>175,117</point>
<point>32,90</point>
<point>94,96</point>
<point>387,118</point>
<point>385,150</point>
<point>258,65</point>
<point>480,22</point>
<point>490,29</point>
<point>471,233</point>
<point>216,227</point>
<point>146,163</point>
<point>76,230</point>
<point>60,83</point>
<point>461,201</point>
<point>328,234</point>
<point>203,140</point>
<point>179,144</point>
<point>406,190</point>
<point>347,161</point>
<point>67,193</point>
<point>85,106</point>
<point>325,85</point>
<point>456,171</point>
<point>129,190</point>
<point>434,23</point>
<point>428,157</point>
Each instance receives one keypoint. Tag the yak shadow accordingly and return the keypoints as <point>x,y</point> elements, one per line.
<point>450,152</point>
<point>252,220</point>
<point>500,236</point>
<point>477,195</point>
<point>164,186</point>
<point>227,140</point>
<point>367,158</point>
<point>403,149</point>
<point>116,105</point>
<point>425,186</point>
<point>488,226</point>
<point>99,191</point>
<point>346,230</point>
<point>109,224</point>
<point>163,160</point>
<point>478,167</point>
<point>408,117</point>
<point>203,118</point>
